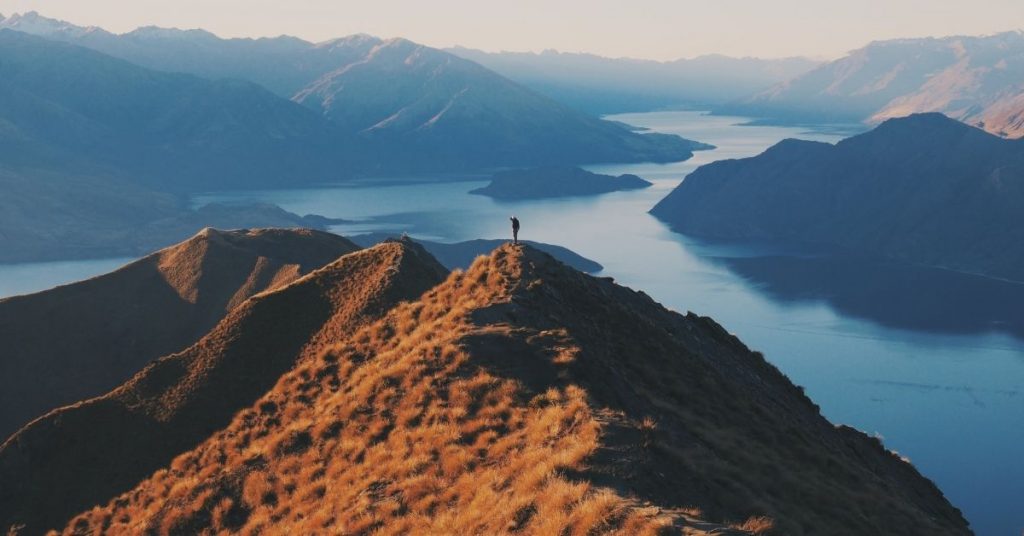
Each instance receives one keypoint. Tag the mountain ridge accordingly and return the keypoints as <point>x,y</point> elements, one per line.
<point>975,79</point>
<point>180,398</point>
<point>480,118</point>
<point>169,132</point>
<point>100,154</point>
<point>118,322</point>
<point>521,395</point>
<point>603,85</point>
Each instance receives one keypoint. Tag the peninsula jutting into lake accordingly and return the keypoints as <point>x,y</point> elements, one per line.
<point>511,268</point>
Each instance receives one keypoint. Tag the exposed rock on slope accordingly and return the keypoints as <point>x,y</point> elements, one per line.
<point>925,189</point>
<point>523,396</point>
<point>81,340</point>
<point>84,454</point>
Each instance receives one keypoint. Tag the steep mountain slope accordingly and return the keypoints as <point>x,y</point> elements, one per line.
<point>602,85</point>
<point>523,396</point>
<point>925,189</point>
<point>446,110</point>
<point>418,108</point>
<point>282,64</point>
<point>978,80</point>
<point>80,340</point>
<point>65,108</point>
<point>95,153</point>
<point>83,454</point>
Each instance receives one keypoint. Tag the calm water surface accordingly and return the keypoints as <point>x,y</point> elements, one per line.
<point>25,278</point>
<point>933,362</point>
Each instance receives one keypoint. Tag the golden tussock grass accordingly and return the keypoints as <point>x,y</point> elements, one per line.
<point>756,525</point>
<point>520,397</point>
<point>393,432</point>
<point>73,338</point>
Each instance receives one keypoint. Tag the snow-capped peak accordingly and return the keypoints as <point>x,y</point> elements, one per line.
<point>33,23</point>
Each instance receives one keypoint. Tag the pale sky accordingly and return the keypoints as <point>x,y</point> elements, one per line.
<point>655,29</point>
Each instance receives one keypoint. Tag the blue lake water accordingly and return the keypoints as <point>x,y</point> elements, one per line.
<point>25,278</point>
<point>931,361</point>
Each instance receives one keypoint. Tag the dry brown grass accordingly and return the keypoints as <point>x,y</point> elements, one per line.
<point>82,340</point>
<point>522,397</point>
<point>177,401</point>
<point>756,525</point>
<point>393,435</point>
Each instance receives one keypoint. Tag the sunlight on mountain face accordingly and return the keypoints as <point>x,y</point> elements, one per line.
<point>467,360</point>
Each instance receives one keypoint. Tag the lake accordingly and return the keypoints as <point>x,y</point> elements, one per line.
<point>931,361</point>
<point>28,277</point>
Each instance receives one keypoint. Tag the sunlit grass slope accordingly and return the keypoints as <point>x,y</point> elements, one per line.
<point>521,396</point>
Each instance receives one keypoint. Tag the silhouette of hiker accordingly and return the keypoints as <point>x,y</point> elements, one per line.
<point>515,229</point>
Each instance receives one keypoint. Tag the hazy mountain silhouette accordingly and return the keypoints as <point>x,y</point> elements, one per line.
<point>603,85</point>
<point>284,65</point>
<point>925,189</point>
<point>411,106</point>
<point>518,395</point>
<point>978,80</point>
<point>547,182</point>
<point>443,110</point>
<point>95,152</point>
<point>51,215</point>
<point>71,109</point>
<point>91,145</point>
<point>180,399</point>
<point>80,340</point>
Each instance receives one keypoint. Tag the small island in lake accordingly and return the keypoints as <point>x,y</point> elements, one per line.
<point>545,182</point>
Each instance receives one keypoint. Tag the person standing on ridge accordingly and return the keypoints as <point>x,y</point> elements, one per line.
<point>515,229</point>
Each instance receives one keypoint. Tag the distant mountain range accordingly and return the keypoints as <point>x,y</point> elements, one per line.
<point>96,153</point>
<point>68,108</point>
<point>603,85</point>
<point>288,65</point>
<point>978,80</point>
<point>925,189</point>
<point>103,136</point>
<point>411,107</point>
<point>380,393</point>
<point>444,111</point>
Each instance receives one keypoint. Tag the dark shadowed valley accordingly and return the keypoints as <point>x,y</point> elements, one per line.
<point>521,268</point>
